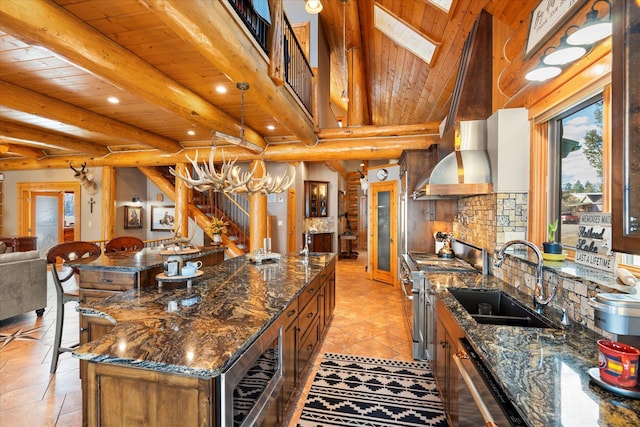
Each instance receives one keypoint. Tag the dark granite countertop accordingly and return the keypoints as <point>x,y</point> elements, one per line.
<point>238,300</point>
<point>144,259</point>
<point>544,371</point>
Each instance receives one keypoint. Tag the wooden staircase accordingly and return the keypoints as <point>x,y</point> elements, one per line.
<point>166,182</point>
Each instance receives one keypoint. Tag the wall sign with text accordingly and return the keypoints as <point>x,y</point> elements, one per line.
<point>594,242</point>
<point>545,20</point>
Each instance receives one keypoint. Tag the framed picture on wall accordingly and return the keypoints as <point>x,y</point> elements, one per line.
<point>132,217</point>
<point>163,218</point>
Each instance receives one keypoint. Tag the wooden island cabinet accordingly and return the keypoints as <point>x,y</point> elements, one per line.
<point>130,382</point>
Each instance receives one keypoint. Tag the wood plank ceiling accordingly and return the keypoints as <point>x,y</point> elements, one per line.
<point>60,61</point>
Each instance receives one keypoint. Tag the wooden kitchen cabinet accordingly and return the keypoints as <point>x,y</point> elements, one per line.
<point>448,334</point>
<point>320,242</point>
<point>419,215</point>
<point>625,150</point>
<point>20,243</point>
<point>290,350</point>
<point>126,396</point>
<point>316,195</point>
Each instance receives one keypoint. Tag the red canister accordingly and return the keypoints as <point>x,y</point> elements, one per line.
<point>618,363</point>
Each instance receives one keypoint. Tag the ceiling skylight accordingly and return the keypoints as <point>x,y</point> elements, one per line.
<point>442,4</point>
<point>403,35</point>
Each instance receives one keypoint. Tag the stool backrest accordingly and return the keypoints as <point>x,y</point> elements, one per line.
<point>124,243</point>
<point>67,252</point>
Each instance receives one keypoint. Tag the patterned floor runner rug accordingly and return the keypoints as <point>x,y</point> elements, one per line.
<point>362,391</point>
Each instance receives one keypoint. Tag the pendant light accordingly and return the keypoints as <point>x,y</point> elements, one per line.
<point>542,72</point>
<point>564,53</point>
<point>345,96</point>
<point>594,29</point>
<point>230,178</point>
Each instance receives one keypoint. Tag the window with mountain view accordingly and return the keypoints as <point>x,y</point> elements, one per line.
<point>578,144</point>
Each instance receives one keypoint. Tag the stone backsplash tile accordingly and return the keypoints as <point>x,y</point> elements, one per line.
<point>320,224</point>
<point>494,219</point>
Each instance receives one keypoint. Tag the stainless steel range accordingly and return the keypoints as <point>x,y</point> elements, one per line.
<point>419,296</point>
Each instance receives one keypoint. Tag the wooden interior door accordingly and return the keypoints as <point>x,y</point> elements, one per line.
<point>27,210</point>
<point>291,220</point>
<point>383,226</point>
<point>47,217</point>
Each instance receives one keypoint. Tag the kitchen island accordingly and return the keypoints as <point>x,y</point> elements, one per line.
<point>160,363</point>
<point>543,371</point>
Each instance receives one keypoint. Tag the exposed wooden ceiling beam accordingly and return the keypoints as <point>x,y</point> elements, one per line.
<point>34,103</point>
<point>48,25</point>
<point>430,129</point>
<point>23,133</point>
<point>21,150</point>
<point>207,27</point>
<point>339,149</point>
<point>336,166</point>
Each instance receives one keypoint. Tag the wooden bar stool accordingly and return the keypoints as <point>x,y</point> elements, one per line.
<point>123,243</point>
<point>67,252</point>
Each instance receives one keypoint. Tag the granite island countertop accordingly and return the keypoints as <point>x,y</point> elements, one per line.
<point>132,261</point>
<point>236,301</point>
<point>544,371</point>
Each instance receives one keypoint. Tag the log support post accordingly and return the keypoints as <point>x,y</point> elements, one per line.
<point>182,202</point>
<point>108,202</point>
<point>257,214</point>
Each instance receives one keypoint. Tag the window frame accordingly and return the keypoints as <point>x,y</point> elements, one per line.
<point>554,191</point>
<point>541,114</point>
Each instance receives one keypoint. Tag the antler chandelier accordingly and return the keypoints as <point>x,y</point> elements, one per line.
<point>230,178</point>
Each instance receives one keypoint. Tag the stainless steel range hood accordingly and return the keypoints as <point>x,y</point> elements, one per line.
<point>465,169</point>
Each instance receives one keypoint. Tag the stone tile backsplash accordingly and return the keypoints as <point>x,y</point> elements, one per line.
<point>494,219</point>
<point>320,224</point>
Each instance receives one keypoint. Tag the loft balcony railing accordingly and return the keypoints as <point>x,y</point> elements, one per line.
<point>256,24</point>
<point>297,73</point>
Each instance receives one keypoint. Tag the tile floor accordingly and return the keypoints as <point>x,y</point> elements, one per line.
<point>368,321</point>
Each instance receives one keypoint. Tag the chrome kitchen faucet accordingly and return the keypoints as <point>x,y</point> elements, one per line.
<point>539,301</point>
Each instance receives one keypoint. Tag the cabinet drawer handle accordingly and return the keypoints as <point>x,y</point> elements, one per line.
<point>83,330</point>
<point>312,290</point>
<point>309,316</point>
<point>106,281</point>
<point>291,313</point>
<point>309,347</point>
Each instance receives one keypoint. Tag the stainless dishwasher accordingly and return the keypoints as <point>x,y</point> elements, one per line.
<point>481,400</point>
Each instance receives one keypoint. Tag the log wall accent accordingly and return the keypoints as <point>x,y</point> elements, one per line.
<point>108,202</point>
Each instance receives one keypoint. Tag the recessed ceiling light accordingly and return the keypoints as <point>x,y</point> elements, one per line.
<point>113,100</point>
<point>191,132</point>
<point>271,127</point>
<point>221,89</point>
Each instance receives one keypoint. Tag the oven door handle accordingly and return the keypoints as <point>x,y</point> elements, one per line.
<point>403,284</point>
<point>482,407</point>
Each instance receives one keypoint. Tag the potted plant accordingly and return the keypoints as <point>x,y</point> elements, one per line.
<point>216,227</point>
<point>551,246</point>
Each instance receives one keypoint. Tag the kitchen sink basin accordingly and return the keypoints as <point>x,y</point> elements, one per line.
<point>497,308</point>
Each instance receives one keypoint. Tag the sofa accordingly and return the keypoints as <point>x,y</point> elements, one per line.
<point>23,283</point>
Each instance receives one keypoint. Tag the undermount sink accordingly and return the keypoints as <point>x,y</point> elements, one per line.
<point>505,310</point>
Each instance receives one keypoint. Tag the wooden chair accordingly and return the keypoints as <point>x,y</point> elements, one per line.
<point>66,252</point>
<point>123,243</point>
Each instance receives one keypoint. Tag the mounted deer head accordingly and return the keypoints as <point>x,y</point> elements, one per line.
<point>85,178</point>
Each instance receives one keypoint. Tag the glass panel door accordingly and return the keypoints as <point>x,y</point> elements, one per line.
<point>384,231</point>
<point>47,219</point>
<point>384,215</point>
